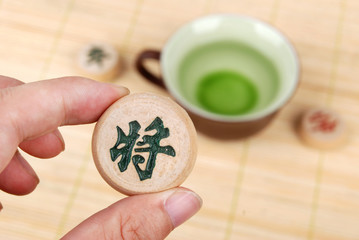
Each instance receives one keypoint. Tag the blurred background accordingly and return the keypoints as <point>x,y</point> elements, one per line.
<point>269,186</point>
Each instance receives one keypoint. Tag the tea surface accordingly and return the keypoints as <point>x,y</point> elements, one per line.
<point>226,92</point>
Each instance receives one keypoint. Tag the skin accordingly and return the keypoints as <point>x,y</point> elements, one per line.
<point>31,114</point>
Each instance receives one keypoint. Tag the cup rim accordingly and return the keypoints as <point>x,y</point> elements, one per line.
<point>274,107</point>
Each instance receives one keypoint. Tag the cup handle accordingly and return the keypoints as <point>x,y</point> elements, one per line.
<point>141,68</point>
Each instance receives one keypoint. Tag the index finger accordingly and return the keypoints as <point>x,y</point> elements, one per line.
<point>34,109</point>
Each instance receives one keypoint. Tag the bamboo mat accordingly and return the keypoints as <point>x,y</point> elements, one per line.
<point>270,186</point>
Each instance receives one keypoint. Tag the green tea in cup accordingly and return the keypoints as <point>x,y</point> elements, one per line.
<point>227,77</point>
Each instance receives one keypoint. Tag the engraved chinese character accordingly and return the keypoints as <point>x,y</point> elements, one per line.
<point>152,143</point>
<point>323,122</point>
<point>129,142</point>
<point>96,55</point>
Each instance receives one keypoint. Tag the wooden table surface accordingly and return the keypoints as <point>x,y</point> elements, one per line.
<point>270,186</point>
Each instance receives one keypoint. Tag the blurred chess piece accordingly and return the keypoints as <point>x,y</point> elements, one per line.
<point>323,128</point>
<point>99,61</point>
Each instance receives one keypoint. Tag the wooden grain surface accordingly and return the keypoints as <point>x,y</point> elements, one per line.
<point>270,186</point>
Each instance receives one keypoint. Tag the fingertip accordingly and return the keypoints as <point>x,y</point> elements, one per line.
<point>18,177</point>
<point>46,146</point>
<point>181,205</point>
<point>121,90</point>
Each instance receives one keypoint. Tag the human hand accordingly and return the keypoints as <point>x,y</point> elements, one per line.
<point>30,115</point>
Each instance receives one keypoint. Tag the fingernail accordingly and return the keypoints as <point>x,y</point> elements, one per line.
<point>181,205</point>
<point>27,167</point>
<point>123,91</point>
<point>61,139</point>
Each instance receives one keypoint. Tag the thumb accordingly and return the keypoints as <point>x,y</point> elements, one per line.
<point>149,216</point>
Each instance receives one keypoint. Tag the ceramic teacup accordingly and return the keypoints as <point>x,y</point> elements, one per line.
<point>231,73</point>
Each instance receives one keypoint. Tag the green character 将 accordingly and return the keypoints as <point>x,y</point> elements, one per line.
<point>154,148</point>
